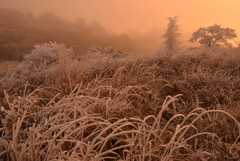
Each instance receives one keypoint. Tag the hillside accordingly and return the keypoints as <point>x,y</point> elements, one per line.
<point>108,105</point>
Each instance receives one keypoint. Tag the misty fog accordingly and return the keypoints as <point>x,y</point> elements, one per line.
<point>20,31</point>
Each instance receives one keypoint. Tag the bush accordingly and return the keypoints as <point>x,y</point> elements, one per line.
<point>48,53</point>
<point>110,51</point>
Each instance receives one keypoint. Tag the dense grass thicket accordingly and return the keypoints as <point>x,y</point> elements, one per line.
<point>108,105</point>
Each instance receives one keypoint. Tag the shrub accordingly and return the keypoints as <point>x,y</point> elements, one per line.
<point>48,53</point>
<point>110,51</point>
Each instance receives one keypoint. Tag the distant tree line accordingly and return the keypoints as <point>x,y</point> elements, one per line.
<point>20,32</point>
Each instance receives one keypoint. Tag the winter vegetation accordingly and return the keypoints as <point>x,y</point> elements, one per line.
<point>107,105</point>
<point>61,101</point>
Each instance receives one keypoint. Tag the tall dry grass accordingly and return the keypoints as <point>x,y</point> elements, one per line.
<point>158,106</point>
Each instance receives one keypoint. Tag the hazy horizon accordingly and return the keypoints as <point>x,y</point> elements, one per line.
<point>138,17</point>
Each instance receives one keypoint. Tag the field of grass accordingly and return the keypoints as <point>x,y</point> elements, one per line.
<point>110,106</point>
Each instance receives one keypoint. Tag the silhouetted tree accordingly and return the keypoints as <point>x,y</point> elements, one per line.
<point>213,35</point>
<point>172,35</point>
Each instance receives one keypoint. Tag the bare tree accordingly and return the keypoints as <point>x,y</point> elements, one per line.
<point>171,35</point>
<point>213,35</point>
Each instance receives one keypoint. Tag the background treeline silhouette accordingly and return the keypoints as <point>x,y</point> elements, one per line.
<point>20,31</point>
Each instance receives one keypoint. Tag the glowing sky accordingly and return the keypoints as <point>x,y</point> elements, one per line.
<point>141,15</point>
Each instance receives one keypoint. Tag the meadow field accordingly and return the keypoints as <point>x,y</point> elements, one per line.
<point>106,105</point>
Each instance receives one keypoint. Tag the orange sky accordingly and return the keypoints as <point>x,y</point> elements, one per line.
<point>141,15</point>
